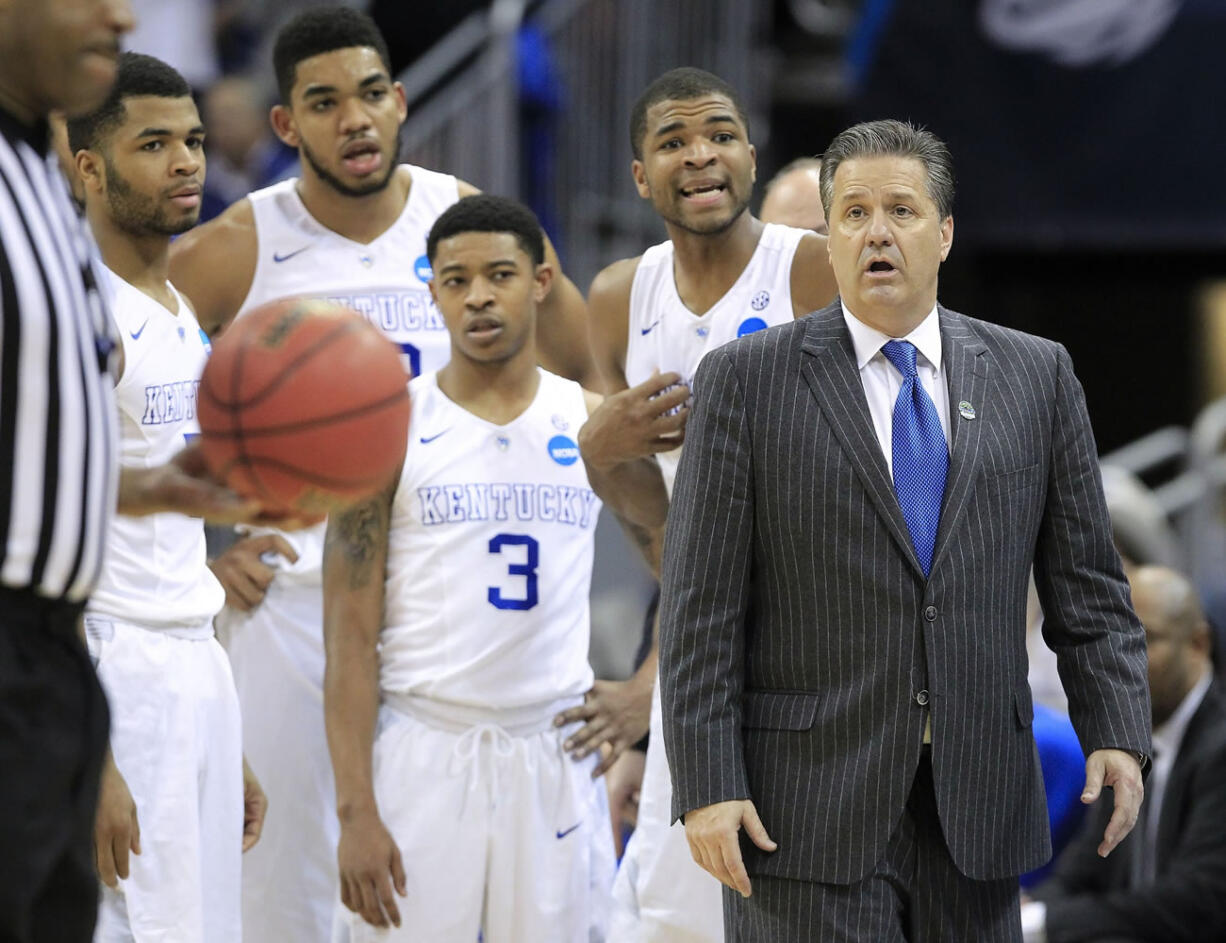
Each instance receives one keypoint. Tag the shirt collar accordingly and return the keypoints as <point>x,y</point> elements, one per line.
<point>1168,737</point>
<point>37,135</point>
<point>867,340</point>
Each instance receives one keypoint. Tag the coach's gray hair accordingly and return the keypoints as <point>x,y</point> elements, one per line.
<point>892,138</point>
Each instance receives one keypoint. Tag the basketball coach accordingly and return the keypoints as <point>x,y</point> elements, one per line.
<point>862,497</point>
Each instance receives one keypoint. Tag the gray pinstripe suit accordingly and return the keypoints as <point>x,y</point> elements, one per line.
<point>798,635</point>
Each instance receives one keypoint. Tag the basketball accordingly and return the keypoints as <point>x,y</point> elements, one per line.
<point>304,406</point>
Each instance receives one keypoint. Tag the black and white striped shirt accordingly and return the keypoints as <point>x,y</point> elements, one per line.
<point>58,462</point>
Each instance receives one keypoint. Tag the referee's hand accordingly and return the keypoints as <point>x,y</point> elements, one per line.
<point>116,829</point>
<point>184,485</point>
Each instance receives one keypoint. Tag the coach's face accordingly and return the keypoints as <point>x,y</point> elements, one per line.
<point>887,241</point>
<point>698,167</point>
<point>59,53</point>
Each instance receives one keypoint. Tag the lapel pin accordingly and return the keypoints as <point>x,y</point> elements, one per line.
<point>966,410</point>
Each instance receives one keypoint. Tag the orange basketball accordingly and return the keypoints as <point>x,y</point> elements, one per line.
<point>304,406</point>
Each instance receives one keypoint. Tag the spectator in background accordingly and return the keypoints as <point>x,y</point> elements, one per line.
<point>794,197</point>
<point>1167,881</point>
<point>244,154</point>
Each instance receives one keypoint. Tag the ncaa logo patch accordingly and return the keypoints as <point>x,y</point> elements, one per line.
<point>563,450</point>
<point>421,268</point>
<point>759,301</point>
<point>208,344</point>
<point>749,325</point>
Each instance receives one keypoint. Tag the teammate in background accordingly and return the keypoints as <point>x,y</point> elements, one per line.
<point>721,275</point>
<point>175,789</point>
<point>794,196</point>
<point>352,228</point>
<point>456,621</point>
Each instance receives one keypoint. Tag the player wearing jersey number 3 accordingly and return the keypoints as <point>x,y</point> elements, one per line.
<point>456,628</point>
<point>353,229</point>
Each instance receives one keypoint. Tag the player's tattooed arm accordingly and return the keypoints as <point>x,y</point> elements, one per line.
<point>355,561</point>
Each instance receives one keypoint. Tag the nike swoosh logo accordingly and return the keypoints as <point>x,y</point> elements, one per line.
<point>277,257</point>
<point>426,440</point>
<point>135,335</point>
<point>569,830</point>
<point>650,327</point>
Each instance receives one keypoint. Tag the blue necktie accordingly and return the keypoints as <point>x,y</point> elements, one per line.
<point>919,453</point>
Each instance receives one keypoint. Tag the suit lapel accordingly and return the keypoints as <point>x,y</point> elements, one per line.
<point>830,371</point>
<point>967,370</point>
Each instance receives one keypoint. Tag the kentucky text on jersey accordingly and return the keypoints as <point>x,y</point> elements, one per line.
<point>170,402</point>
<point>503,501</point>
<point>395,311</point>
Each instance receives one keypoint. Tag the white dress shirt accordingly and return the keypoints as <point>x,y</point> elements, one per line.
<point>882,381</point>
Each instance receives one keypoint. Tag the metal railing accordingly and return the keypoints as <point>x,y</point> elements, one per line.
<point>466,112</point>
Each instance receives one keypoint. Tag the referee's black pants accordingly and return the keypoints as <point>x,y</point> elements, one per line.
<point>53,735</point>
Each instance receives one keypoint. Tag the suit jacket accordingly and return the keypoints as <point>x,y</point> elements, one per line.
<point>801,646</point>
<point>1090,897</point>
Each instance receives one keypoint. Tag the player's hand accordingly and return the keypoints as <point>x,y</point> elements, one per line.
<point>1120,770</point>
<point>243,573</point>
<point>612,712</point>
<point>255,807</point>
<point>370,867</point>
<point>624,780</point>
<point>712,834</point>
<point>116,829</point>
<point>637,422</point>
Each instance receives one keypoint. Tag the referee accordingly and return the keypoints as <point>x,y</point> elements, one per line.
<point>59,474</point>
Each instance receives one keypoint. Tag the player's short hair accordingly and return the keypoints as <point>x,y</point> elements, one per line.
<point>318,30</point>
<point>484,212</point>
<point>137,76</point>
<point>684,84</point>
<point>891,138</point>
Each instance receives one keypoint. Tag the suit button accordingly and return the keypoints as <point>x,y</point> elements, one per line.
<point>922,699</point>
<point>930,613</point>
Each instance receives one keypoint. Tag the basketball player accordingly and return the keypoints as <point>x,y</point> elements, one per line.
<point>175,787</point>
<point>720,275</point>
<point>456,622</point>
<point>352,228</point>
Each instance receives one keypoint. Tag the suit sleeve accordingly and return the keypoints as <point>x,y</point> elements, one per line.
<point>705,585</point>
<point>1187,903</point>
<point>1088,619</point>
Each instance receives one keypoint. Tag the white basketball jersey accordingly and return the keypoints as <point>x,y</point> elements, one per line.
<point>665,335</point>
<point>386,281</point>
<point>154,573</point>
<point>490,554</point>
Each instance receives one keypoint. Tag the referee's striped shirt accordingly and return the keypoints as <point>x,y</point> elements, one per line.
<point>58,462</point>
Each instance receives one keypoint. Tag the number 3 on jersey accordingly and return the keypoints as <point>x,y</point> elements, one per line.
<point>527,569</point>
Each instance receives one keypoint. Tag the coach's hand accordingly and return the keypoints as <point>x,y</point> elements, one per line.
<point>614,712</point>
<point>243,573</point>
<point>712,834</point>
<point>1121,771</point>
<point>368,858</point>
<point>116,829</point>
<point>637,422</point>
<point>255,807</point>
